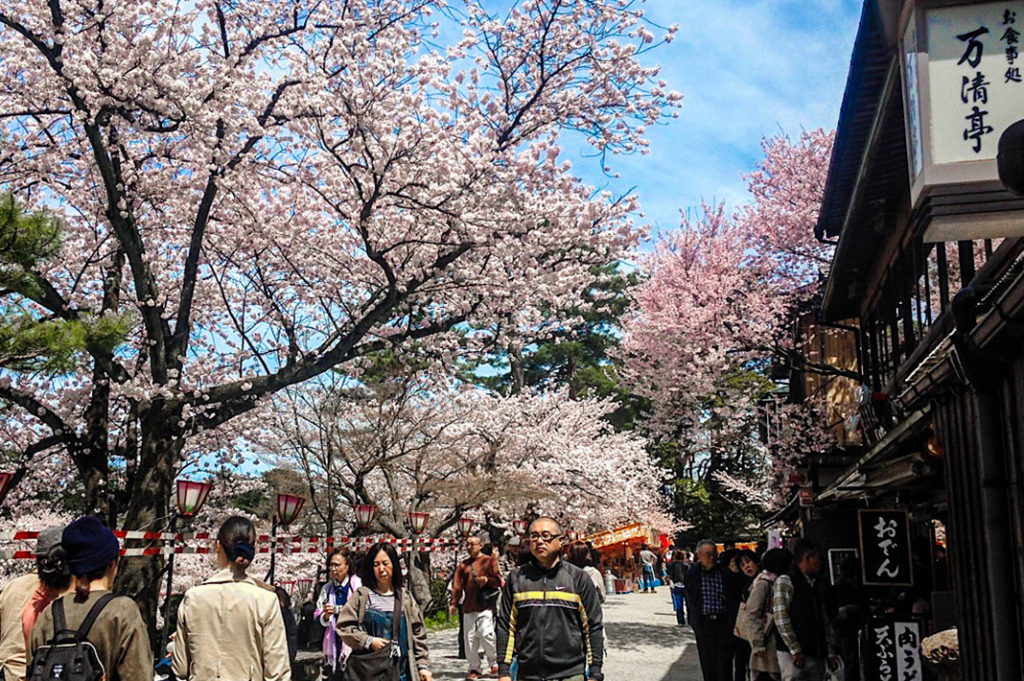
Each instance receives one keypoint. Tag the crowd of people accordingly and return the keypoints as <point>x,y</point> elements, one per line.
<point>532,612</point>
<point>539,618</point>
<point>767,616</point>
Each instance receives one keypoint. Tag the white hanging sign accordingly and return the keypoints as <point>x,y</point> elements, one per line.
<point>974,68</point>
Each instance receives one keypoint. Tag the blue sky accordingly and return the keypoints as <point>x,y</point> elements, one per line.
<point>748,69</point>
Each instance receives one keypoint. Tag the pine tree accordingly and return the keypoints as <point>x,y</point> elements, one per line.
<point>31,341</point>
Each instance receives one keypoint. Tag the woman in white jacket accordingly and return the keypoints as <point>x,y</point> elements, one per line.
<point>754,621</point>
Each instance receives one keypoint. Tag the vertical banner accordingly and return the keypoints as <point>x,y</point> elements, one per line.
<point>885,547</point>
<point>882,661</point>
<point>908,651</point>
<point>893,652</point>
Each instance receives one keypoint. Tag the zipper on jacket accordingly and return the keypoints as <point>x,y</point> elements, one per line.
<point>544,610</point>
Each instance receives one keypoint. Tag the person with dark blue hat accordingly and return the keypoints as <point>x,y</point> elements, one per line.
<point>118,633</point>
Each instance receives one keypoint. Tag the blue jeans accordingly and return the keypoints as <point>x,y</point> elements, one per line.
<point>647,581</point>
<point>679,602</point>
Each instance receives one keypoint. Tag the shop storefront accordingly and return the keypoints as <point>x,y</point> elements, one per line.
<point>619,549</point>
<point>927,284</point>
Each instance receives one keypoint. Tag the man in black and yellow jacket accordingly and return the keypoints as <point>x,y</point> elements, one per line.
<point>549,616</point>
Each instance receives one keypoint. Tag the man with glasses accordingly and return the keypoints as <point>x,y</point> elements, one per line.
<point>550,615</point>
<point>710,593</point>
<point>474,575</point>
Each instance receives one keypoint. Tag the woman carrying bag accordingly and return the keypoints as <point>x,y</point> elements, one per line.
<point>754,621</point>
<point>382,624</point>
<point>230,627</point>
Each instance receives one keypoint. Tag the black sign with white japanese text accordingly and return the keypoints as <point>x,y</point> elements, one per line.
<point>882,657</point>
<point>885,547</point>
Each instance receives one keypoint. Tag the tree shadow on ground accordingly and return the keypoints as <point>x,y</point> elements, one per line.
<point>636,639</point>
<point>631,636</point>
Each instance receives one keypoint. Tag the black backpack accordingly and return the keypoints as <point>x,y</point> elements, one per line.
<point>69,655</point>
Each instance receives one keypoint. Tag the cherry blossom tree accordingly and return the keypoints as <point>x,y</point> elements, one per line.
<point>412,442</point>
<point>715,314</point>
<point>267,191</point>
<point>786,192</point>
<point>418,443</point>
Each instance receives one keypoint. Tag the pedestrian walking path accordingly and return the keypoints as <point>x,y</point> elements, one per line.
<point>644,643</point>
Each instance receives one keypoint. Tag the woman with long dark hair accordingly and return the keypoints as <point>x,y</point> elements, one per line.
<point>366,623</point>
<point>230,627</point>
<point>579,555</point>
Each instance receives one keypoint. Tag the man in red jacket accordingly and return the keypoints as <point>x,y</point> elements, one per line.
<point>477,574</point>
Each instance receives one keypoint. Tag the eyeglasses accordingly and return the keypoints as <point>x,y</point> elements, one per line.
<point>546,536</point>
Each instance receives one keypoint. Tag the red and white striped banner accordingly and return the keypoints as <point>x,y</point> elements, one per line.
<point>282,545</point>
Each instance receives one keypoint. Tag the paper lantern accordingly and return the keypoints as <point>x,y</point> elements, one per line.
<point>288,507</point>
<point>191,496</point>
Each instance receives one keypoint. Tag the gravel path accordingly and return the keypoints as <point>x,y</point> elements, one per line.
<point>644,643</point>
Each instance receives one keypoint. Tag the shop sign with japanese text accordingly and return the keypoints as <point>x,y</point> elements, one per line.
<point>894,651</point>
<point>885,547</point>
<point>963,86</point>
<point>976,87</point>
<point>908,655</point>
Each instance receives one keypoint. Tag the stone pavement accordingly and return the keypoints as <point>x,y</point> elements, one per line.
<point>644,643</point>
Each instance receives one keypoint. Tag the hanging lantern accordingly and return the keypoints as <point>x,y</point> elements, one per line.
<point>418,521</point>
<point>191,496</point>
<point>364,514</point>
<point>572,535</point>
<point>520,526</point>
<point>304,585</point>
<point>465,525</point>
<point>5,484</point>
<point>288,507</point>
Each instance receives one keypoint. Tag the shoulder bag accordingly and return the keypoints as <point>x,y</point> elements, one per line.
<point>486,595</point>
<point>383,664</point>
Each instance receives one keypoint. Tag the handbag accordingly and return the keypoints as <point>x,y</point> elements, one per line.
<point>379,665</point>
<point>837,674</point>
<point>487,595</point>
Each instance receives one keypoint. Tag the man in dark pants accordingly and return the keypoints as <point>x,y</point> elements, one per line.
<point>549,615</point>
<point>803,631</point>
<point>709,599</point>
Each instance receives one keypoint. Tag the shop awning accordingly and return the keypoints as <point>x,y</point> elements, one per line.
<point>634,532</point>
<point>854,482</point>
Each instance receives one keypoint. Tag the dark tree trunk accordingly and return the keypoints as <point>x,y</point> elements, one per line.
<point>419,580</point>
<point>517,369</point>
<point>148,504</point>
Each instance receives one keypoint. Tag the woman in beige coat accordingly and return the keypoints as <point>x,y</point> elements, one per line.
<point>230,627</point>
<point>754,621</point>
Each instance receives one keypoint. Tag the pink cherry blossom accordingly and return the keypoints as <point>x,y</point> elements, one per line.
<point>718,307</point>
